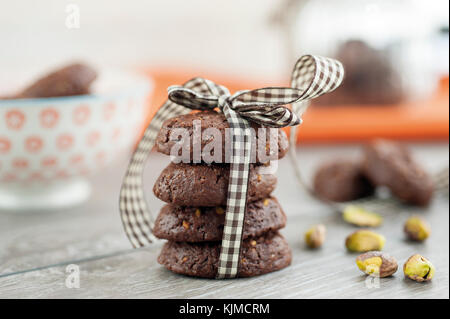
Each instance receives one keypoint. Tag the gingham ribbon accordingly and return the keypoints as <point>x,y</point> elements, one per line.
<point>312,77</point>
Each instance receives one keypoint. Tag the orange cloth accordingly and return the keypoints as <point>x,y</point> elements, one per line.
<point>422,120</point>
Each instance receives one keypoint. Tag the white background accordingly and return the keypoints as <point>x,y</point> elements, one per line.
<point>227,36</point>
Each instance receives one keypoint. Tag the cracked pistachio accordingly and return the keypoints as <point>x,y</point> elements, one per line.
<point>377,264</point>
<point>418,268</point>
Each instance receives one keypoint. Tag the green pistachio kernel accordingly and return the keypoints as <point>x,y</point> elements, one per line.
<point>364,240</point>
<point>360,217</point>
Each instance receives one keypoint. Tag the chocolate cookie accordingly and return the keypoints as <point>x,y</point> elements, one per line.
<point>207,185</point>
<point>74,79</point>
<point>259,256</point>
<point>391,164</point>
<point>262,150</point>
<point>370,78</point>
<point>341,181</point>
<point>197,224</point>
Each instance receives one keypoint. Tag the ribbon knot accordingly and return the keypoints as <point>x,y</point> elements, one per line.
<point>267,106</point>
<point>223,101</point>
<point>312,77</point>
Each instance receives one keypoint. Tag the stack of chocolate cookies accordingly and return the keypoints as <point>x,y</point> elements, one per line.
<point>196,195</point>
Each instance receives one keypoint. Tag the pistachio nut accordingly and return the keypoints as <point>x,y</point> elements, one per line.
<point>416,228</point>
<point>315,236</point>
<point>364,240</point>
<point>377,264</point>
<point>418,268</point>
<point>360,217</point>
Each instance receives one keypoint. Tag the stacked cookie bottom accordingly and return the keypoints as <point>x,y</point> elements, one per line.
<point>194,217</point>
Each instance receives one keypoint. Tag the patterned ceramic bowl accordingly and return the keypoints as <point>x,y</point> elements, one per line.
<point>48,146</point>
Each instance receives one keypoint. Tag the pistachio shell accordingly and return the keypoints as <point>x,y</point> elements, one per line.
<point>377,263</point>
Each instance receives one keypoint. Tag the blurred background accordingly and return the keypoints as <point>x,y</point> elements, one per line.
<point>395,52</point>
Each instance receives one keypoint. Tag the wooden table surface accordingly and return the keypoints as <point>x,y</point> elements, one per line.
<point>36,248</point>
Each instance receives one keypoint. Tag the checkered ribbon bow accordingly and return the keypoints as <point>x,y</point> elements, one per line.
<point>312,77</point>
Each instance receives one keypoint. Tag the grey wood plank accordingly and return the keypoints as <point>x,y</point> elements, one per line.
<point>31,241</point>
<point>326,273</point>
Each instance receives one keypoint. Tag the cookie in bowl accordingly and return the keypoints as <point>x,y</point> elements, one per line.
<point>51,143</point>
